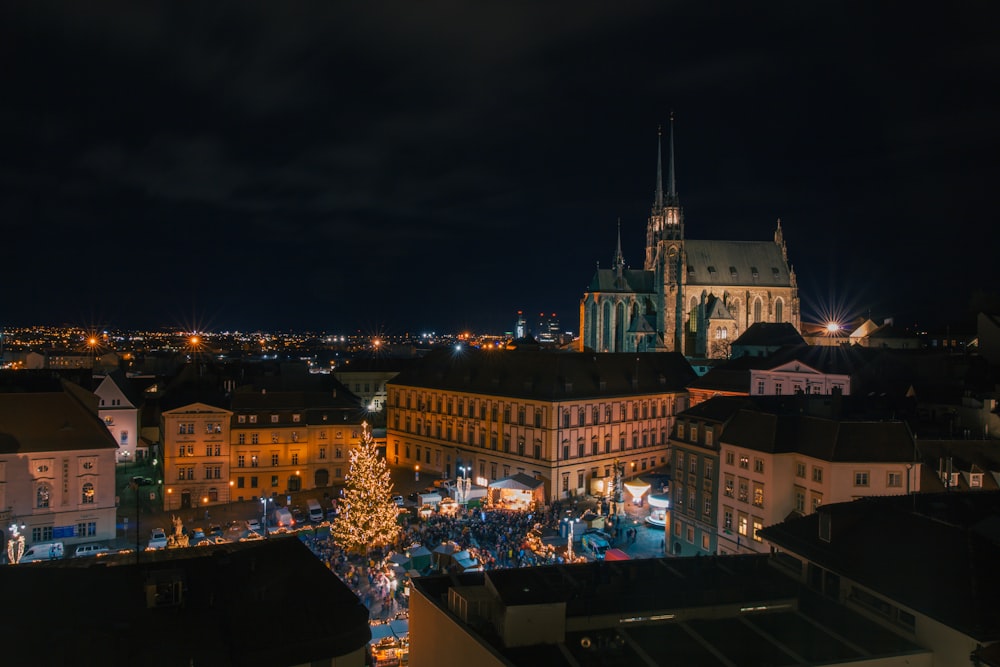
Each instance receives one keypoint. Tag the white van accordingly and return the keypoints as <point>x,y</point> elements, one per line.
<point>315,510</point>
<point>46,551</point>
<point>85,550</point>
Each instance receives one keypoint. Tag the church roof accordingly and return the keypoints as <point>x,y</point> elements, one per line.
<point>633,280</point>
<point>744,263</point>
<point>718,311</point>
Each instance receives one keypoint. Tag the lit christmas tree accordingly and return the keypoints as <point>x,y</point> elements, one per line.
<point>367,513</point>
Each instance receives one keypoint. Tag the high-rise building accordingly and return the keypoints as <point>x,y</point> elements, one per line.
<point>691,296</point>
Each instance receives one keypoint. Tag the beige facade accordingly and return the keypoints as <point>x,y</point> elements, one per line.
<point>566,440</point>
<point>758,489</point>
<point>196,456</point>
<point>58,492</point>
<point>267,445</point>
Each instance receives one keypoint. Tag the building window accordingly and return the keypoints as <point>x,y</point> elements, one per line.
<point>708,436</point>
<point>709,468</point>
<point>800,469</point>
<point>690,534</point>
<point>242,438</point>
<point>817,475</point>
<point>760,387</point>
<point>744,524</point>
<point>274,459</point>
<point>758,465</point>
<point>87,495</point>
<point>43,496</point>
<point>861,478</point>
<point>322,452</point>
<point>730,457</point>
<point>295,458</point>
<point>744,461</point>
<point>241,460</point>
<point>758,525</point>
<point>894,479</point>
<point>727,519</point>
<point>253,482</point>
<point>758,495</point>
<point>744,490</point>
<point>253,461</point>
<point>800,500</point>
<point>729,488</point>
<point>254,438</point>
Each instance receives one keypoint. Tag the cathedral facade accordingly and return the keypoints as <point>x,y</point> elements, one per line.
<point>691,296</point>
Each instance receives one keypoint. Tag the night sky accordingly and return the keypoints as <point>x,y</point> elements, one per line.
<point>424,166</point>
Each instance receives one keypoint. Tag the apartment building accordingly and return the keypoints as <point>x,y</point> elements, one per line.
<point>743,463</point>
<point>266,443</point>
<point>57,466</point>
<point>564,418</point>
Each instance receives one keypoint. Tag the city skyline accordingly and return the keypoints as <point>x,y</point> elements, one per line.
<point>259,167</point>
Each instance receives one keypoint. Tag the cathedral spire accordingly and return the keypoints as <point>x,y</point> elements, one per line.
<point>619,262</point>
<point>672,191</point>
<point>658,197</point>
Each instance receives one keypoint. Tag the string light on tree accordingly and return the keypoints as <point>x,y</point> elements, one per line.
<point>367,512</point>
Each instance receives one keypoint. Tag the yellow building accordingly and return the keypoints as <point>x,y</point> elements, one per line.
<point>267,444</point>
<point>564,418</point>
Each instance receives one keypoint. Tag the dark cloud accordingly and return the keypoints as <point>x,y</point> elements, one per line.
<point>442,165</point>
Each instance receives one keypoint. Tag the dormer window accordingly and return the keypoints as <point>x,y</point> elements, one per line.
<point>711,271</point>
<point>754,272</point>
<point>775,272</point>
<point>732,272</point>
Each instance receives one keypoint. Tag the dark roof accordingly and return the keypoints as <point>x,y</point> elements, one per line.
<point>954,537</point>
<point>757,263</point>
<point>549,375</point>
<point>51,422</point>
<point>633,280</point>
<point>829,439</point>
<point>626,614</point>
<point>770,334</point>
<point>240,601</point>
<point>717,408</point>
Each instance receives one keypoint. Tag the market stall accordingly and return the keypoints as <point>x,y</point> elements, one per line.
<point>517,492</point>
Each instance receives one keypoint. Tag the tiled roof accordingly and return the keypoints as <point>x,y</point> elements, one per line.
<point>770,334</point>
<point>50,422</point>
<point>755,263</point>
<point>633,280</point>
<point>549,375</point>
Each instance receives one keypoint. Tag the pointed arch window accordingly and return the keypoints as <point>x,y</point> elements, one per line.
<point>779,308</point>
<point>758,308</point>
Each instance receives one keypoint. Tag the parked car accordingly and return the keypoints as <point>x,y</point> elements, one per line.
<point>142,481</point>
<point>85,550</point>
<point>158,539</point>
<point>299,516</point>
<point>216,531</point>
<point>254,525</point>
<point>398,500</point>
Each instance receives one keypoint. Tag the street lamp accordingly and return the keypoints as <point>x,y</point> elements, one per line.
<point>231,485</point>
<point>263,511</point>
<point>416,473</point>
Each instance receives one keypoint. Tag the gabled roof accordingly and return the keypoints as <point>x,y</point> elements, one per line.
<point>717,408</point>
<point>51,422</point>
<point>718,311</point>
<point>517,481</point>
<point>756,263</point>
<point>770,334</point>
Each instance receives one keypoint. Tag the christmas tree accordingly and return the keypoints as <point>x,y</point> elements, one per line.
<point>367,513</point>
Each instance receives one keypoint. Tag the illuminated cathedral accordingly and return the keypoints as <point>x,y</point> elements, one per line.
<point>691,296</point>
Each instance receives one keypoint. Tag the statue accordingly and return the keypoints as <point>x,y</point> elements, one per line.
<point>178,538</point>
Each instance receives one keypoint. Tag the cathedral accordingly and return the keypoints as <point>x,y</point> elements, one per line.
<point>691,296</point>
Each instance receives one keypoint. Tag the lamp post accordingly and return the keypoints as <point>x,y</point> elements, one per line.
<point>231,485</point>
<point>263,511</point>
<point>416,473</point>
